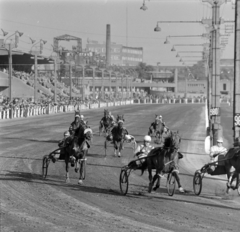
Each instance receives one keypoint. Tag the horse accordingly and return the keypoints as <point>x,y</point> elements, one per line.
<point>77,149</point>
<point>106,123</point>
<point>118,136</point>
<point>231,164</point>
<point>157,128</point>
<point>164,159</point>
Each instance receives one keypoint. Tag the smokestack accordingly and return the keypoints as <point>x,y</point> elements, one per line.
<point>108,46</point>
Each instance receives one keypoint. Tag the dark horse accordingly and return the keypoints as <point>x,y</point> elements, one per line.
<point>157,128</point>
<point>106,123</point>
<point>118,137</point>
<point>77,149</point>
<point>231,165</point>
<point>164,159</point>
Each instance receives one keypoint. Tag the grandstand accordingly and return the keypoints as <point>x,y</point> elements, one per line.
<point>23,78</point>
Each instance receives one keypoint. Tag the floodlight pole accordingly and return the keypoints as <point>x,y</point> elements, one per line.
<point>236,95</point>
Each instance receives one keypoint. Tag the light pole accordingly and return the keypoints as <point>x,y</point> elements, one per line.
<point>186,45</point>
<point>110,82</point>
<point>36,53</point>
<point>236,95</point>
<point>83,81</point>
<point>215,124</point>
<point>178,36</point>
<point>9,46</point>
<point>55,60</point>
<point>93,82</point>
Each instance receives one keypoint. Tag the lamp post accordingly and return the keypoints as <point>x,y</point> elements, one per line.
<point>177,36</point>
<point>36,53</point>
<point>186,45</point>
<point>83,81</point>
<point>9,46</point>
<point>93,83</point>
<point>102,85</point>
<point>236,95</point>
<point>55,60</point>
<point>215,123</point>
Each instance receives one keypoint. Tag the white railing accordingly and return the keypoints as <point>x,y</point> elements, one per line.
<point>39,110</point>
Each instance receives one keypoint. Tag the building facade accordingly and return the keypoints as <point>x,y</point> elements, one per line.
<point>120,55</point>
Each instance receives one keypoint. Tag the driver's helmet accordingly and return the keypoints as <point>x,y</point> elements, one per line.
<point>147,138</point>
<point>81,117</point>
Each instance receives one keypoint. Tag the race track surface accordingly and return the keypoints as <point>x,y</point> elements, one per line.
<point>29,203</point>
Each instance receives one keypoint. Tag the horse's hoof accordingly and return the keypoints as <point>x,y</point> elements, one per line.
<point>76,170</point>
<point>67,180</point>
<point>119,154</point>
<point>155,188</point>
<point>150,188</point>
<point>80,182</point>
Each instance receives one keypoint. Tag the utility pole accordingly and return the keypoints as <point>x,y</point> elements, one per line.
<point>83,84</point>
<point>215,125</point>
<point>35,53</point>
<point>122,85</point>
<point>55,79</point>
<point>236,95</point>
<point>93,84</point>
<point>102,85</point>
<point>10,72</point>
<point>70,79</point>
<point>110,82</point>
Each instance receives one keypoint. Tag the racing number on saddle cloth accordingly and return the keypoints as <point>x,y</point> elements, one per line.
<point>237,119</point>
<point>214,111</point>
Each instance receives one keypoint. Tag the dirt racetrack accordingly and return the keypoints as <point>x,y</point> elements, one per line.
<point>28,203</point>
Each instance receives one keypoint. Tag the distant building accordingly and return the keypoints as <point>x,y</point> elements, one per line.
<point>120,55</point>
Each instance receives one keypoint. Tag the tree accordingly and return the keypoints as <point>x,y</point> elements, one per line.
<point>142,70</point>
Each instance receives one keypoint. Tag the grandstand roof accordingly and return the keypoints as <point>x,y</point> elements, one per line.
<point>20,60</point>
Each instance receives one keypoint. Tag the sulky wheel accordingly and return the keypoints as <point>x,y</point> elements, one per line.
<point>197,183</point>
<point>83,169</point>
<point>123,181</point>
<point>171,184</point>
<point>45,164</point>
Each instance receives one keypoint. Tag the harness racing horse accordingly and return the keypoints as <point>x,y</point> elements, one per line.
<point>77,149</point>
<point>164,160</point>
<point>118,136</point>
<point>231,165</point>
<point>106,123</point>
<point>157,128</point>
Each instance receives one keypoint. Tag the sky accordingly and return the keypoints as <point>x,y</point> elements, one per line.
<point>130,26</point>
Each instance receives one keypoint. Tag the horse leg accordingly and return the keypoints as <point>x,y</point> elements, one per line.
<point>81,167</point>
<point>115,147</point>
<point>158,181</point>
<point>77,165</point>
<point>120,148</point>
<point>150,179</point>
<point>67,170</point>
<point>230,173</point>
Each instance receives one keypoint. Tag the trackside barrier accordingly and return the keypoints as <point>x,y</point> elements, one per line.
<point>168,101</point>
<point>39,110</point>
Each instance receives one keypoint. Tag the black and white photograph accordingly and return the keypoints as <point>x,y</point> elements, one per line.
<point>119,115</point>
